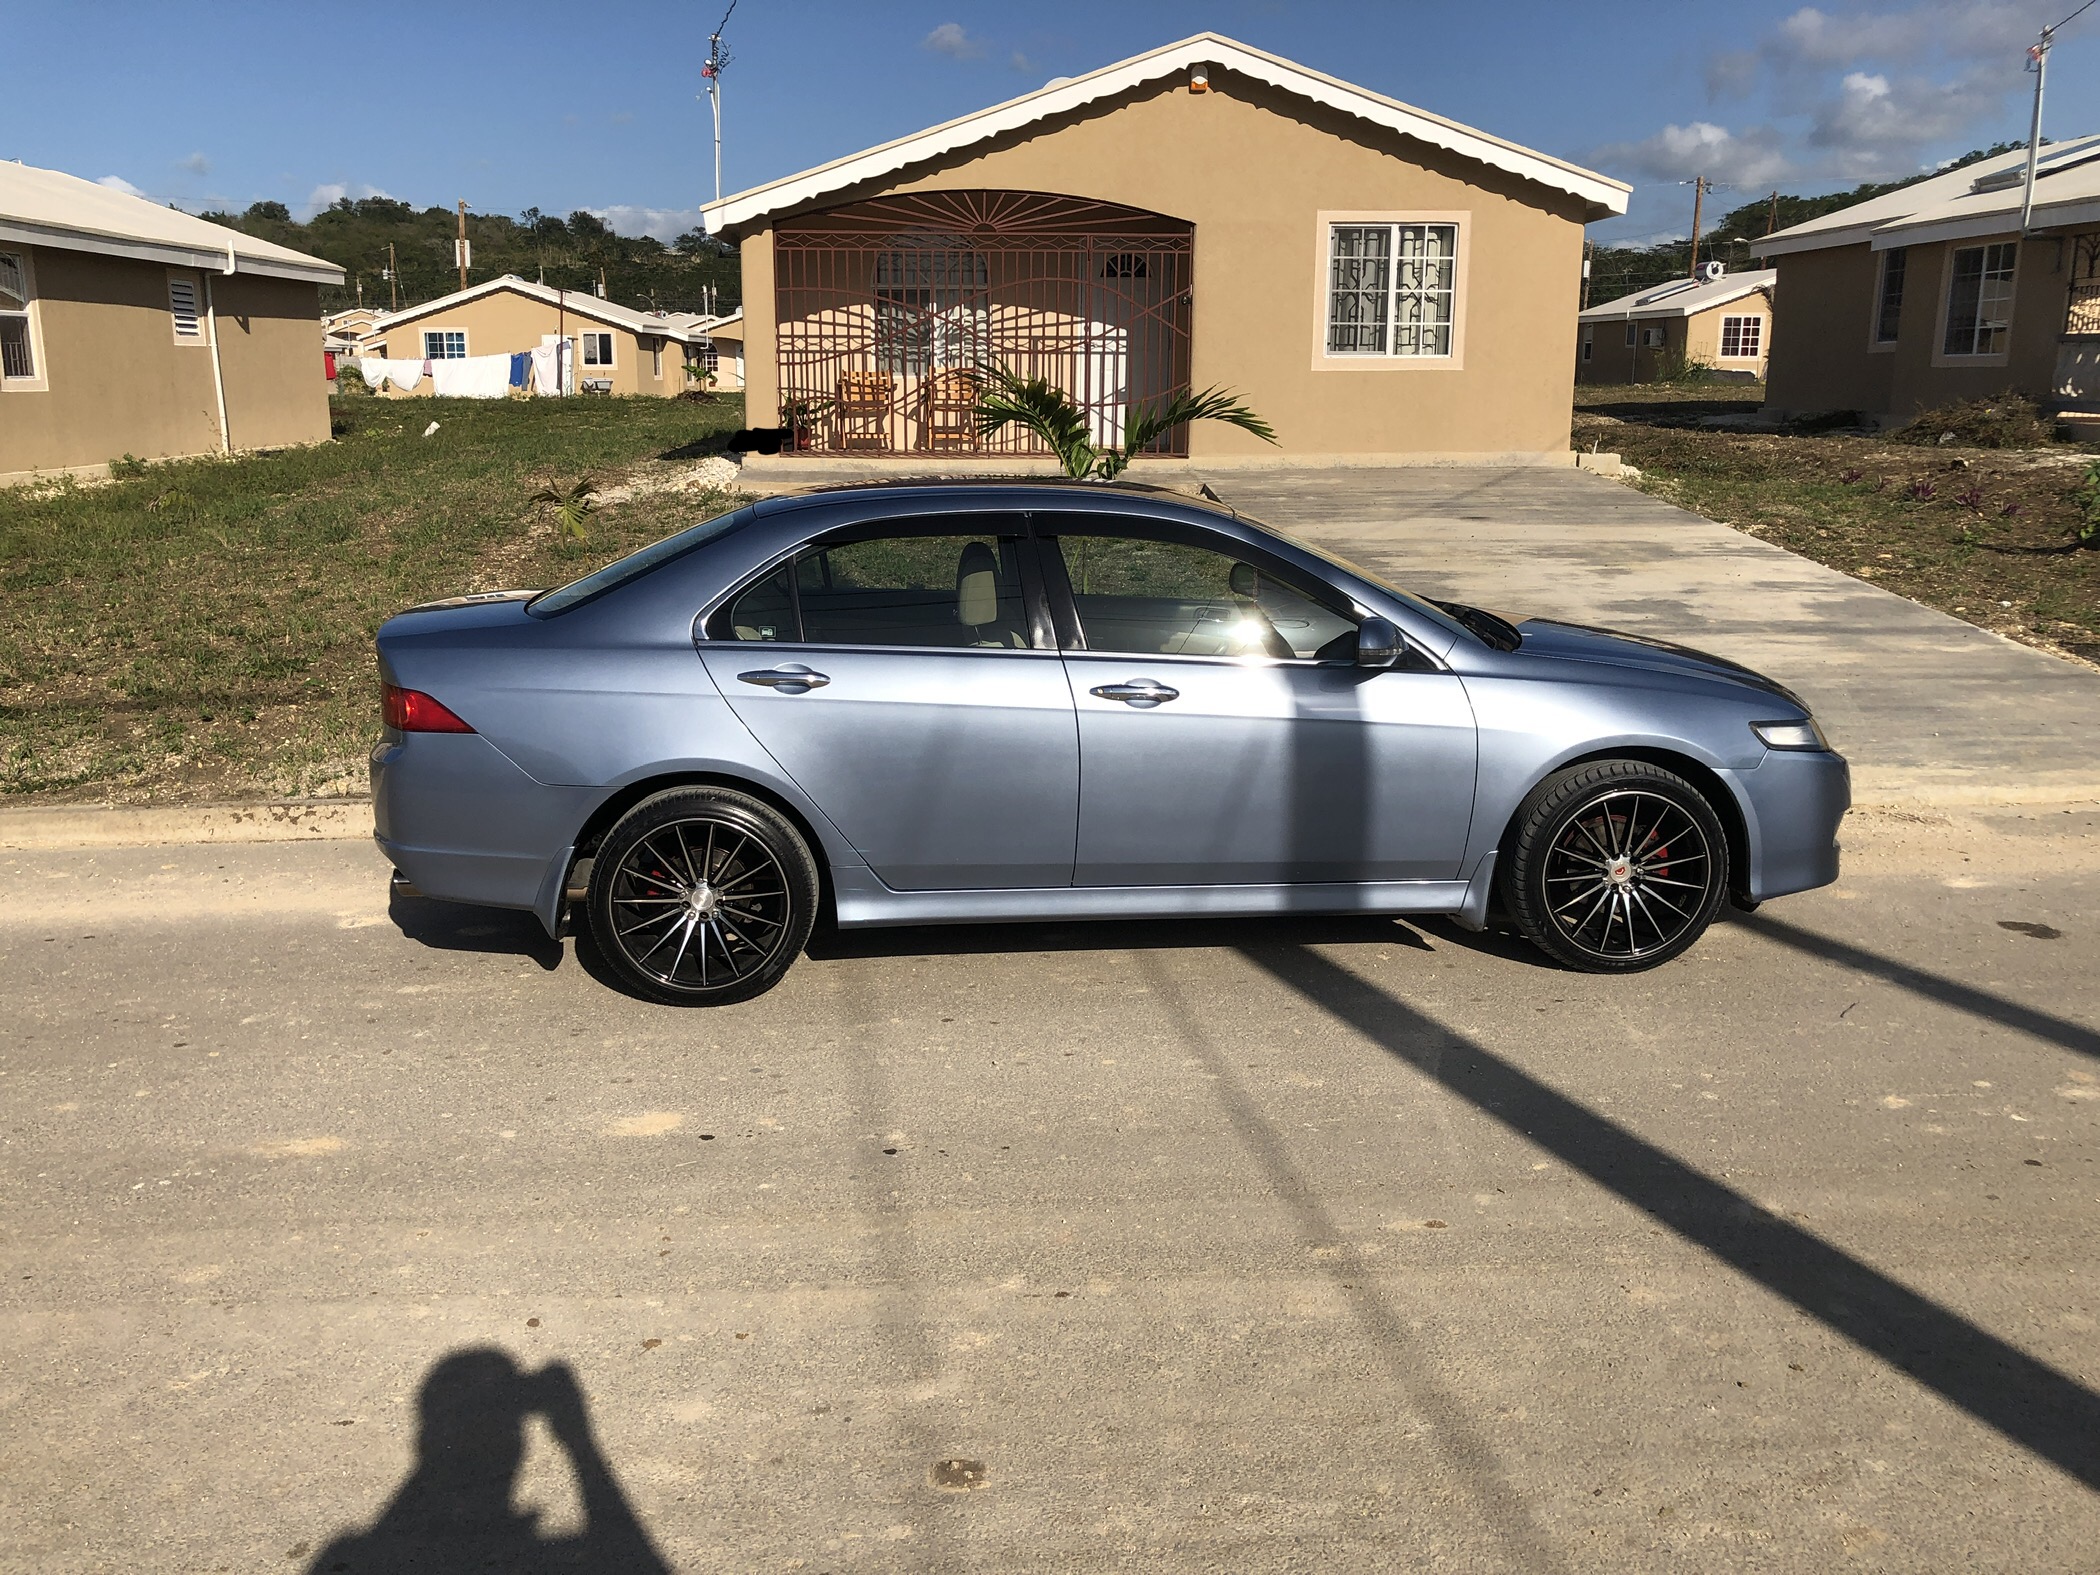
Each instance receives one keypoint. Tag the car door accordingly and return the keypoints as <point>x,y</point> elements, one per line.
<point>1226,734</point>
<point>903,674</point>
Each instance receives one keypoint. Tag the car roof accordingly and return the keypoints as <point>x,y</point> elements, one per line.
<point>1005,491</point>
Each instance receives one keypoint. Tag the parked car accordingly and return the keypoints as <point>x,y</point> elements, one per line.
<point>1027,701</point>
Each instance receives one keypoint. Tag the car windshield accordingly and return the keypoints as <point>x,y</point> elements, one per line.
<point>1427,609</point>
<point>549,604</point>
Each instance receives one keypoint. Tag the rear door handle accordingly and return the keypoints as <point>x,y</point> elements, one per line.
<point>1137,692</point>
<point>789,678</point>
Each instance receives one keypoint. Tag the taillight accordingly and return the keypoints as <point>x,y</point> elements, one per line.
<point>412,711</point>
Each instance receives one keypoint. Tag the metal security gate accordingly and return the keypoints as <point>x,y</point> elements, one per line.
<point>891,310</point>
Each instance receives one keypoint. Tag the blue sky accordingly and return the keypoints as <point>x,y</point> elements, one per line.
<point>569,106</point>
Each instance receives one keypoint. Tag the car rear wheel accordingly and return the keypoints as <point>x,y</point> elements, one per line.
<point>702,896</point>
<point>1618,866</point>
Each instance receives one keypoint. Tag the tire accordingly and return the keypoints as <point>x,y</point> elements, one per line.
<point>702,896</point>
<point>1618,866</point>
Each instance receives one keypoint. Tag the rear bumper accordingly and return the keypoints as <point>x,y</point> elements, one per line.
<point>466,825</point>
<point>1792,805</point>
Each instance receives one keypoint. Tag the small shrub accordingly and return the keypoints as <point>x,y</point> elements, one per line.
<point>1970,498</point>
<point>129,468</point>
<point>2009,512</point>
<point>2087,498</point>
<point>571,508</point>
<point>1677,369</point>
<point>1849,476</point>
<point>2008,421</point>
<point>1921,491</point>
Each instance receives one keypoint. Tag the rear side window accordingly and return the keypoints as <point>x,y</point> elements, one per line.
<point>959,591</point>
<point>551,604</point>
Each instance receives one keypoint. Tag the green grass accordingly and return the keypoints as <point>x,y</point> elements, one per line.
<point>204,629</point>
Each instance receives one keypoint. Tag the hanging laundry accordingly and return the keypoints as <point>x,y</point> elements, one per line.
<point>546,370</point>
<point>403,374</point>
<point>520,368</point>
<point>471,377</point>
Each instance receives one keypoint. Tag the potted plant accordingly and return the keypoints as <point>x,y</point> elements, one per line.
<point>798,421</point>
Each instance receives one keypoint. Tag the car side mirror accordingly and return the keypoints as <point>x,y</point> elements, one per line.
<point>1378,643</point>
<point>1246,580</point>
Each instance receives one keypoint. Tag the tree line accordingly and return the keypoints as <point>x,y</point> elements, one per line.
<point>573,254</point>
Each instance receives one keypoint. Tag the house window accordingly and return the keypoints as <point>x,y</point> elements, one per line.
<point>1888,310</point>
<point>706,355</point>
<point>1633,336</point>
<point>656,358</point>
<point>445,344</point>
<point>597,350</point>
<point>17,345</point>
<point>1655,338</point>
<point>1979,299</point>
<point>1589,341</point>
<point>1391,289</point>
<point>931,304</point>
<point>182,306</point>
<point>1741,338</point>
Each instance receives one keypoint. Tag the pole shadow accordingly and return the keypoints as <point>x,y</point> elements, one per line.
<point>454,1513</point>
<point>2026,1400</point>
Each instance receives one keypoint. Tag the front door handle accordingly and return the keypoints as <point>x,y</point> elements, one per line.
<point>1137,692</point>
<point>790,678</point>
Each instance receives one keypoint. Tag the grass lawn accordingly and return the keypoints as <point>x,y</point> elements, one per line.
<point>204,629</point>
<point>1985,534</point>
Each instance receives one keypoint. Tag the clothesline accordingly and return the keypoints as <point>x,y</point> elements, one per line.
<point>541,372</point>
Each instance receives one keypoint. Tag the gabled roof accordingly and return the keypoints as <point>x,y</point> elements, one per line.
<point>577,303</point>
<point>1682,297</point>
<point>41,207</point>
<point>1978,199</point>
<point>1604,195</point>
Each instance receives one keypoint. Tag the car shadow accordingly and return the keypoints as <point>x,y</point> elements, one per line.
<point>832,944</point>
<point>462,927</point>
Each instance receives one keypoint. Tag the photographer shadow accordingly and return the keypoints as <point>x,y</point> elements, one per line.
<point>456,1511</point>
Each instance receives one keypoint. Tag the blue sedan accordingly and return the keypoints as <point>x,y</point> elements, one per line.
<point>1030,701</point>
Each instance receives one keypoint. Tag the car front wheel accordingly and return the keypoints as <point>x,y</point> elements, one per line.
<point>702,896</point>
<point>1618,866</point>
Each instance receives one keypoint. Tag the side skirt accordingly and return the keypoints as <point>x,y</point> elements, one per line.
<point>864,901</point>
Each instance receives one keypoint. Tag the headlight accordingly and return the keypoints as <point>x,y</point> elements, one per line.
<point>1803,734</point>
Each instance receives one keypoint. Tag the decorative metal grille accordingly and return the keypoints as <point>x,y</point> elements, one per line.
<point>2082,315</point>
<point>889,311</point>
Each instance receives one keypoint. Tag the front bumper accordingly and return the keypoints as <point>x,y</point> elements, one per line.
<point>1792,805</point>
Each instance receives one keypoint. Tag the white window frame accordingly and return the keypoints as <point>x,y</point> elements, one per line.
<point>583,357</point>
<point>441,335</point>
<point>656,358</point>
<point>1941,355</point>
<point>1656,336</point>
<point>177,278</point>
<point>1461,224</point>
<point>1754,324</point>
<point>39,379</point>
<point>1876,345</point>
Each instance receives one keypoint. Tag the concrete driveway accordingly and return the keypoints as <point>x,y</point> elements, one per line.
<point>1927,706</point>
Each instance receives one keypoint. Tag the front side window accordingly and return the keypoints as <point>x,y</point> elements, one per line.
<point>1888,309</point>
<point>1146,597</point>
<point>1979,299</point>
<point>17,350</point>
<point>950,591</point>
<point>449,344</point>
<point>1742,338</point>
<point>597,349</point>
<point>1391,289</point>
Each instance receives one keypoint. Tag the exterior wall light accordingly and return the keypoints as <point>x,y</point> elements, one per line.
<point>1199,80</point>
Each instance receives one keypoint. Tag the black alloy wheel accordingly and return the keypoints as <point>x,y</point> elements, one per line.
<point>702,897</point>
<point>1618,866</point>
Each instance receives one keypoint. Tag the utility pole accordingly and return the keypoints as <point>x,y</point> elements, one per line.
<point>1699,190</point>
<point>717,60</point>
<point>1589,252</point>
<point>393,278</point>
<point>462,248</point>
<point>2038,63</point>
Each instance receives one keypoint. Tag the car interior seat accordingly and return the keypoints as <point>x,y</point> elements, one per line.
<point>977,598</point>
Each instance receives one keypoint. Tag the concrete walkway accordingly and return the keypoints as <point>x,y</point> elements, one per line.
<point>1928,708</point>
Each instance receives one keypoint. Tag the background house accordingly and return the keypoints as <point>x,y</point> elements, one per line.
<point>1121,232</point>
<point>1931,294</point>
<point>130,328</point>
<point>615,349</point>
<point>1724,323</point>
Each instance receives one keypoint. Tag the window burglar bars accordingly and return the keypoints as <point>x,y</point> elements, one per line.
<point>891,311</point>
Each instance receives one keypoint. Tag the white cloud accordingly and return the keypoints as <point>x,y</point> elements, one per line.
<point>949,39</point>
<point>665,224</point>
<point>1752,157</point>
<point>328,194</point>
<point>119,183</point>
<point>196,164</point>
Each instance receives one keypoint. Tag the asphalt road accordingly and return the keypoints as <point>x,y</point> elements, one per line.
<point>1328,1246</point>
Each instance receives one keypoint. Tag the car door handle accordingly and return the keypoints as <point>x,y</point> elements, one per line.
<point>1138,691</point>
<point>793,678</point>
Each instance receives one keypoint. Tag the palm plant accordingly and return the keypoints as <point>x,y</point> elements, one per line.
<point>1035,404</point>
<point>571,508</point>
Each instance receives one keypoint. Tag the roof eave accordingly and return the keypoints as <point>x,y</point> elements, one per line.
<point>24,232</point>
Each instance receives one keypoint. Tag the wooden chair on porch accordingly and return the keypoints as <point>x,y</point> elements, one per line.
<point>860,417</point>
<point>948,410</point>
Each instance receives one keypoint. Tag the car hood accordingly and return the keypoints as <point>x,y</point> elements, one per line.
<point>1572,642</point>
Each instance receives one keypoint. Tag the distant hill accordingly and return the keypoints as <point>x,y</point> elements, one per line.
<point>568,253</point>
<point>1621,270</point>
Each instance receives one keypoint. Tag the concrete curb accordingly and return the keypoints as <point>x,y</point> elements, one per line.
<point>64,826</point>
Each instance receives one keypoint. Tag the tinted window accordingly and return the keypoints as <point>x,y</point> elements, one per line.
<point>1164,598</point>
<point>960,591</point>
<point>636,564</point>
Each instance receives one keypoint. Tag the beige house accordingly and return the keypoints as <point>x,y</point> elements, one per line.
<point>614,349</point>
<point>1122,233</point>
<point>131,328</point>
<point>1932,294</point>
<point>1724,322</point>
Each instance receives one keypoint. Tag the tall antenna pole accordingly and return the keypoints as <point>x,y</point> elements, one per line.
<point>460,252</point>
<point>2038,63</point>
<point>717,59</point>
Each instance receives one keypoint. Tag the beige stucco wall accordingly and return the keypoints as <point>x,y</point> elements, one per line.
<point>505,322</point>
<point>1699,336</point>
<point>1822,359</point>
<point>118,382</point>
<point>1253,169</point>
<point>1702,335</point>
